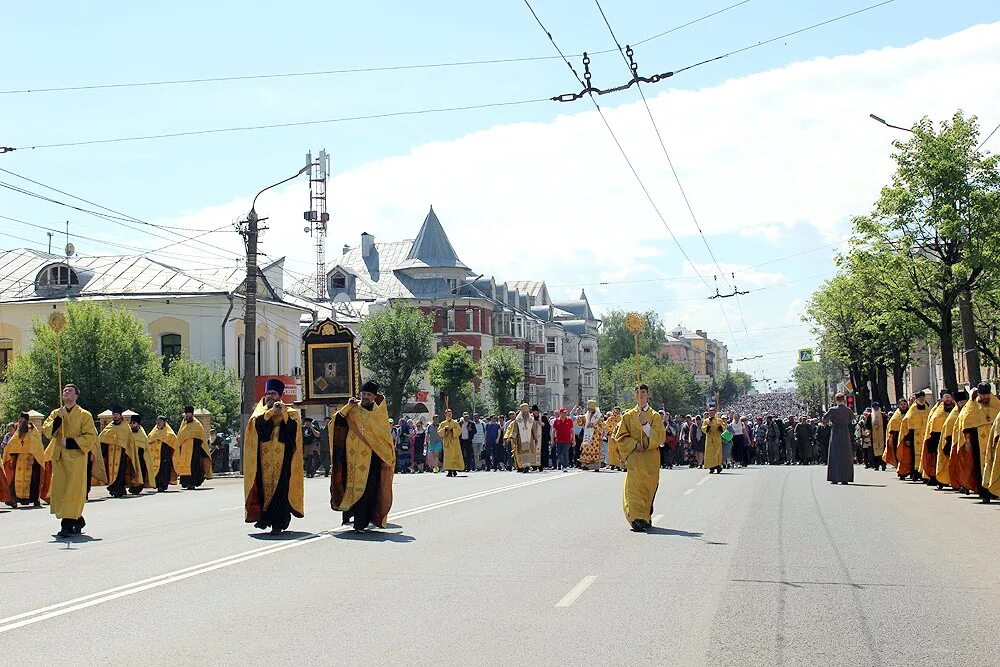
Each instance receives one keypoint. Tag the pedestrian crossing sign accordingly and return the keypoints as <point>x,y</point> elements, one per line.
<point>805,355</point>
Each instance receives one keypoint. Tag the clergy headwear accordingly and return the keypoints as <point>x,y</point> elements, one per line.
<point>24,415</point>
<point>163,417</point>
<point>189,409</point>
<point>919,394</point>
<point>274,384</point>
<point>116,409</point>
<point>943,393</point>
<point>876,404</point>
<point>591,403</point>
<point>135,419</point>
<point>984,388</point>
<point>961,395</point>
<point>370,386</point>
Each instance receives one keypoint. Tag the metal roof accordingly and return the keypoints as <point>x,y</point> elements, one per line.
<point>432,248</point>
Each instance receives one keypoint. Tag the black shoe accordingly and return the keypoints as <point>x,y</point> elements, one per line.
<point>275,530</point>
<point>637,526</point>
<point>36,504</point>
<point>260,525</point>
<point>64,533</point>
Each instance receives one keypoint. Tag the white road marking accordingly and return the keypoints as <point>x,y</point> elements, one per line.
<point>656,518</point>
<point>22,544</point>
<point>577,591</point>
<point>687,492</point>
<point>704,479</point>
<point>227,509</point>
<point>58,609</point>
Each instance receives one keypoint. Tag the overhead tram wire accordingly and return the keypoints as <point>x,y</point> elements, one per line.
<point>663,145</point>
<point>171,135</point>
<point>353,70</point>
<point>621,149</point>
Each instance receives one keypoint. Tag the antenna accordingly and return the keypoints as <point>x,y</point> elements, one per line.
<point>317,215</point>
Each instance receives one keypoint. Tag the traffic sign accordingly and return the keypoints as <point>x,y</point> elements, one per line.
<point>805,355</point>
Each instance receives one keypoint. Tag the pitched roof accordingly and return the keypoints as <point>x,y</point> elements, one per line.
<point>432,248</point>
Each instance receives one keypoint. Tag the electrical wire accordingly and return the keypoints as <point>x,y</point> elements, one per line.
<point>353,70</point>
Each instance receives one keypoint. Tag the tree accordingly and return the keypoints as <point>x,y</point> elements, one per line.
<point>810,384</point>
<point>451,373</point>
<point>397,344</point>
<point>103,350</point>
<point>734,385</point>
<point>616,342</point>
<point>502,368</point>
<point>671,386</point>
<point>933,236</point>
<point>212,387</point>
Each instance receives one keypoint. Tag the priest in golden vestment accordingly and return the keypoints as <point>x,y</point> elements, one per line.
<point>364,460</point>
<point>72,441</point>
<point>162,441</point>
<point>272,450</point>
<point>638,439</point>
<point>526,440</point>
<point>193,459</point>
<point>121,460</point>
<point>24,466</point>
<point>910,449</point>
<point>933,437</point>
<point>892,433</point>
<point>975,424</point>
<point>950,435</point>
<point>713,426</point>
<point>140,445</point>
<point>991,465</point>
<point>450,431</point>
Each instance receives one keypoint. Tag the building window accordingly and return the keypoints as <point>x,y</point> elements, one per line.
<point>278,349</point>
<point>6,355</point>
<point>338,281</point>
<point>552,375</point>
<point>518,327</point>
<point>58,276</point>
<point>551,345</point>
<point>170,348</point>
<point>239,356</point>
<point>468,319</point>
<point>450,324</point>
<point>588,380</point>
<point>260,356</point>
<point>452,285</point>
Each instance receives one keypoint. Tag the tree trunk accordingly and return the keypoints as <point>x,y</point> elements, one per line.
<point>898,370</point>
<point>880,387</point>
<point>971,351</point>
<point>948,350</point>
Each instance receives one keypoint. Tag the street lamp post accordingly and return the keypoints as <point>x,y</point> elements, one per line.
<point>250,230</point>
<point>965,317</point>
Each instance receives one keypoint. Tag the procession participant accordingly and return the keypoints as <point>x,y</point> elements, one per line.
<point>840,459</point>
<point>72,440</point>
<point>975,424</point>
<point>911,446</point>
<point>949,437</point>
<point>162,442</point>
<point>876,424</point>
<point>536,414</point>
<point>590,452</point>
<point>562,435</point>
<point>933,435</point>
<point>310,447</point>
<point>194,460</point>
<point>526,440</point>
<point>272,477</point>
<point>713,426</point>
<point>24,466</point>
<point>615,418</point>
<point>140,442</point>
<point>991,467</point>
<point>637,438</point>
<point>892,434</point>
<point>120,455</point>
<point>364,460</point>
<point>450,432</point>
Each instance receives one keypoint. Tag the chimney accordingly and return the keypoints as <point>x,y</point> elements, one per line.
<point>346,249</point>
<point>701,333</point>
<point>367,244</point>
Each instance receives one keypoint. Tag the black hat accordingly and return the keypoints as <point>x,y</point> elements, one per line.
<point>984,388</point>
<point>876,404</point>
<point>943,393</point>
<point>370,386</point>
<point>189,408</point>
<point>920,393</point>
<point>135,419</point>
<point>307,419</point>
<point>961,395</point>
<point>274,384</point>
<point>535,408</point>
<point>117,409</point>
<point>24,415</point>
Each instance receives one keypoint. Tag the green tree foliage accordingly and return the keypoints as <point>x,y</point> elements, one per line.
<point>451,373</point>
<point>397,344</point>
<point>933,235</point>
<point>810,384</point>
<point>503,369</point>
<point>616,342</point>
<point>671,386</point>
<point>212,387</point>
<point>734,384</point>
<point>103,350</point>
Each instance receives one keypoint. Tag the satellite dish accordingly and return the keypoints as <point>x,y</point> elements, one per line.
<point>70,249</point>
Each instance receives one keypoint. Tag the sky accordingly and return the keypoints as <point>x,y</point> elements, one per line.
<point>766,153</point>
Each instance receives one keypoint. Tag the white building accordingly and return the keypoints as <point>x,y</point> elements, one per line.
<point>197,312</point>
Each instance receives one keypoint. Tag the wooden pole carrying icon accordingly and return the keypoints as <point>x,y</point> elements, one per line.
<point>636,325</point>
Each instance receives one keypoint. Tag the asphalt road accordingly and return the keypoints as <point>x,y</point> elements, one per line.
<point>762,566</point>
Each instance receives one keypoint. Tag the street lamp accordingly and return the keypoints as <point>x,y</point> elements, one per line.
<point>878,119</point>
<point>250,232</point>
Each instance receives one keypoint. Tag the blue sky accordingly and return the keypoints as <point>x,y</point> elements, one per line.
<point>205,180</point>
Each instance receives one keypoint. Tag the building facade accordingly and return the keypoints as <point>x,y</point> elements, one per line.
<point>706,358</point>
<point>556,340</point>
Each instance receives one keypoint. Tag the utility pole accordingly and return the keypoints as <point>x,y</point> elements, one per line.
<point>250,230</point>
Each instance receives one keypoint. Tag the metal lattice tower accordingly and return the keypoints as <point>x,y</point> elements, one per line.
<point>317,215</point>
